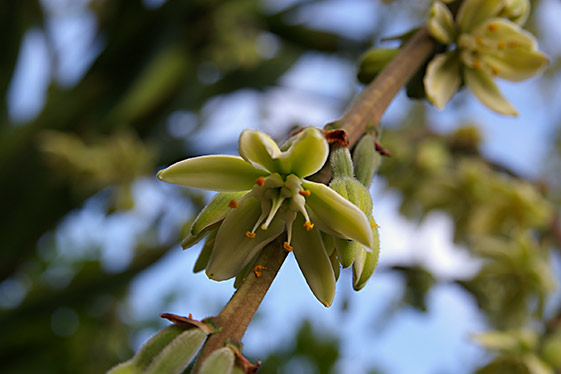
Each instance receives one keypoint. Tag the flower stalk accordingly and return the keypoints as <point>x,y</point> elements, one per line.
<point>365,112</point>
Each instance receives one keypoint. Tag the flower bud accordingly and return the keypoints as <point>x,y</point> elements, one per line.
<point>366,160</point>
<point>341,163</point>
<point>219,361</point>
<point>373,61</point>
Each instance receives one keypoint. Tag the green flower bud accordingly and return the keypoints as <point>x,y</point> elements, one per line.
<point>366,262</point>
<point>366,160</point>
<point>373,61</point>
<point>341,163</point>
<point>219,361</point>
<point>169,351</point>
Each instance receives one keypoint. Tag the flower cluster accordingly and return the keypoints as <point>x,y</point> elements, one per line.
<point>485,40</point>
<point>262,195</point>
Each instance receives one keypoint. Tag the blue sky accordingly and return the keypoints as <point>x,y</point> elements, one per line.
<point>311,93</point>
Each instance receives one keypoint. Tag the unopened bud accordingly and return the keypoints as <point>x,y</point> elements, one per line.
<point>373,61</point>
<point>366,160</point>
<point>341,163</point>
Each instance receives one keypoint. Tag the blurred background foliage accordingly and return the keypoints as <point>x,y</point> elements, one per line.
<point>152,75</point>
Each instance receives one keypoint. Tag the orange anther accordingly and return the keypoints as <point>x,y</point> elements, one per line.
<point>260,181</point>
<point>478,40</point>
<point>258,270</point>
<point>287,247</point>
<point>308,225</point>
<point>492,27</point>
<point>190,316</point>
<point>476,64</point>
<point>305,192</point>
<point>233,204</point>
<point>325,304</point>
<point>250,235</point>
<point>495,71</point>
<point>501,44</point>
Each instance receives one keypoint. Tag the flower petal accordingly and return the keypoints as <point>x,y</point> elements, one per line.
<point>366,263</point>
<point>517,11</point>
<point>216,210</point>
<point>337,215</point>
<point>313,261</point>
<point>516,65</point>
<point>347,251</point>
<point>473,12</point>
<point>483,87</point>
<point>306,155</point>
<point>499,30</point>
<point>441,23</point>
<point>216,173</point>
<point>442,79</point>
<point>258,148</point>
<point>233,249</point>
<point>206,251</point>
<point>514,54</point>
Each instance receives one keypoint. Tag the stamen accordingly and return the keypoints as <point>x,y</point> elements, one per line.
<point>233,204</point>
<point>260,181</point>
<point>495,71</point>
<point>190,316</point>
<point>325,304</point>
<point>258,270</point>
<point>250,235</point>
<point>308,225</point>
<point>478,40</point>
<point>305,193</point>
<point>476,64</point>
<point>501,45</point>
<point>492,27</point>
<point>274,209</point>
<point>287,247</point>
<point>373,223</point>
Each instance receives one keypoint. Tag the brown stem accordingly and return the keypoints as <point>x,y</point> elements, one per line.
<point>366,110</point>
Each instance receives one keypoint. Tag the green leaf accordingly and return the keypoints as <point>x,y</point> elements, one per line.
<point>215,172</point>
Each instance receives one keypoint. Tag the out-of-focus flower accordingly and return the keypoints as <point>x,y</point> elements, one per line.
<point>486,40</point>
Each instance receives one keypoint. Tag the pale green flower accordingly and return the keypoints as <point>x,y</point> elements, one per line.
<point>267,196</point>
<point>486,41</point>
